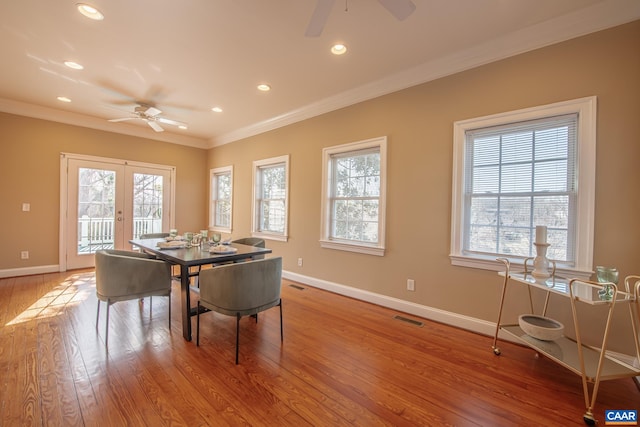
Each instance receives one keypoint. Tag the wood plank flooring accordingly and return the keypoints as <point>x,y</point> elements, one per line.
<point>342,363</point>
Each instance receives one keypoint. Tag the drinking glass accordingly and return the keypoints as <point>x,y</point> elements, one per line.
<point>606,275</point>
<point>216,238</point>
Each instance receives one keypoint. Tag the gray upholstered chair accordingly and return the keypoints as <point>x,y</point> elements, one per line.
<point>125,275</point>
<point>242,289</point>
<point>162,236</point>
<point>251,241</point>
<point>154,235</point>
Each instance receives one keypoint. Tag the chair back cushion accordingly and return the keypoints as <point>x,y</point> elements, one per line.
<point>154,235</point>
<point>251,241</point>
<point>244,288</point>
<point>124,275</point>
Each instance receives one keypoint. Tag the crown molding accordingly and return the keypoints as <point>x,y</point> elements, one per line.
<point>600,16</point>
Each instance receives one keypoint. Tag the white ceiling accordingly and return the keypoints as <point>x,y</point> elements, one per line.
<point>190,55</point>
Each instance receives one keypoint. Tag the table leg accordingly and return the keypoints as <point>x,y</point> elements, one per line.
<point>186,302</point>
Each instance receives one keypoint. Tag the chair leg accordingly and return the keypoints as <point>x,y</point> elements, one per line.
<point>281,330</point>
<point>169,312</point>
<point>106,329</point>
<point>98,315</point>
<point>150,305</point>
<point>198,325</point>
<point>237,335</point>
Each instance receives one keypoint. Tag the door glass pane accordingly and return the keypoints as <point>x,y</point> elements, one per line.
<point>147,204</point>
<point>96,209</point>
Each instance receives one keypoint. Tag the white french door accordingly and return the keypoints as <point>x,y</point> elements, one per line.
<point>110,201</point>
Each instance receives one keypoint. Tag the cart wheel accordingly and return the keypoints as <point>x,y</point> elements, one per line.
<point>589,419</point>
<point>496,351</point>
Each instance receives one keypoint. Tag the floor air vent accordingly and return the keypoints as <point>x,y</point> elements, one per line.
<point>300,288</point>
<point>410,321</point>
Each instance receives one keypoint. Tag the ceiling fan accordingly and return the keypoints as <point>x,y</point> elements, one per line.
<point>401,9</point>
<point>150,115</point>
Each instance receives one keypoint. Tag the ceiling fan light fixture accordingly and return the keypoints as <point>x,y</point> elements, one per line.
<point>90,11</point>
<point>264,87</point>
<point>338,49</point>
<point>74,65</point>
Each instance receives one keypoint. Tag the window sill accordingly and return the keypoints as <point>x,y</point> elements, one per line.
<point>220,230</point>
<point>351,247</point>
<point>517,264</point>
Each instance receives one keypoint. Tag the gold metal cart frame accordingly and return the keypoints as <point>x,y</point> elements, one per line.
<point>593,364</point>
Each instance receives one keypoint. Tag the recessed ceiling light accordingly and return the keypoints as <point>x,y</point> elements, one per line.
<point>182,127</point>
<point>338,49</point>
<point>90,11</point>
<point>64,99</point>
<point>216,110</point>
<point>264,87</point>
<point>73,65</point>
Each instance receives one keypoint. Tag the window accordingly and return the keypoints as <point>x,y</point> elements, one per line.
<point>270,201</point>
<point>517,170</point>
<point>221,208</point>
<point>353,196</point>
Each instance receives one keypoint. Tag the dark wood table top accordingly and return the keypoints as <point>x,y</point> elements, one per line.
<point>197,255</point>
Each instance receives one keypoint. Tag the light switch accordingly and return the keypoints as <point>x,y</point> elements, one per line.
<point>26,207</point>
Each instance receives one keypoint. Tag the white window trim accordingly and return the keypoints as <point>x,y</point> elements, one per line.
<point>586,108</point>
<point>213,192</point>
<point>254,209</point>
<point>325,241</point>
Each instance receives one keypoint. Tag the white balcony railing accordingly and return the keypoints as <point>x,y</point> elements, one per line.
<point>98,233</point>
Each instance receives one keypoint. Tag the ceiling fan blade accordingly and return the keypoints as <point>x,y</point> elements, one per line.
<point>401,9</point>
<point>154,126</point>
<point>170,122</point>
<point>319,18</point>
<point>152,111</point>
<point>122,120</point>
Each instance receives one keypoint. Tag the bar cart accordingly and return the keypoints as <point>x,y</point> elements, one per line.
<point>593,364</point>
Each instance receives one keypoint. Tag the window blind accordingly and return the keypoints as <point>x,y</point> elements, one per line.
<point>518,176</point>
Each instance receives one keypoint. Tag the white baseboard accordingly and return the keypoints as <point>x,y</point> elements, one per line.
<point>454,319</point>
<point>28,271</point>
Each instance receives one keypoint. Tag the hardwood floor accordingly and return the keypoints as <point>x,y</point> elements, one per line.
<point>343,362</point>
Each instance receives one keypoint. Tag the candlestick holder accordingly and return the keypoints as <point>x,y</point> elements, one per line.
<point>540,262</point>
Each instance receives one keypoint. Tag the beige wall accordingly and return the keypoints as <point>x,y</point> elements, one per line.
<point>419,125</point>
<point>30,173</point>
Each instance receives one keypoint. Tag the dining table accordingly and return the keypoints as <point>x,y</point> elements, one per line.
<point>194,256</point>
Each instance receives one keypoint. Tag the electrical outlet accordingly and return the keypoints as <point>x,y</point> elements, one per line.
<point>24,255</point>
<point>411,285</point>
<point>299,262</point>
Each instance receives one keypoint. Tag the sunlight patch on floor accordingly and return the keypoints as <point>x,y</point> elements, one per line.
<point>73,290</point>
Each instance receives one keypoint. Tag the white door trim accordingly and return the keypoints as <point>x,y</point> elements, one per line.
<point>64,196</point>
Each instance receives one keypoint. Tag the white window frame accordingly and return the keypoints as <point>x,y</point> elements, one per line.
<point>255,204</point>
<point>586,108</point>
<point>213,181</point>
<point>326,241</point>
